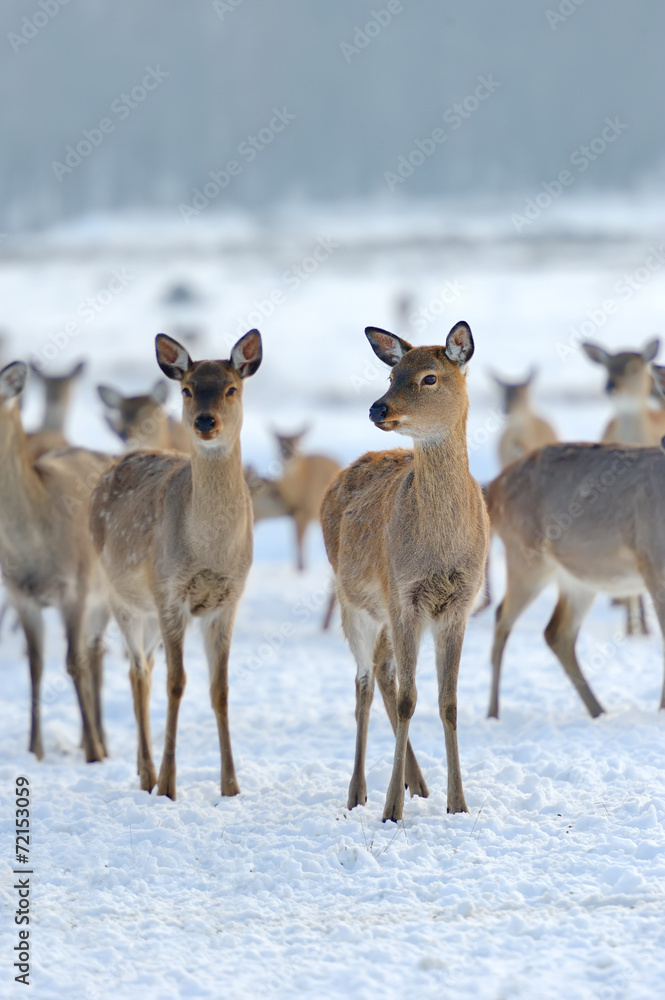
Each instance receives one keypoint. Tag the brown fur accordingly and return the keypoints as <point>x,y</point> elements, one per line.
<point>48,560</point>
<point>175,538</point>
<point>524,430</point>
<point>407,535</point>
<point>57,401</point>
<point>587,517</point>
<point>142,422</point>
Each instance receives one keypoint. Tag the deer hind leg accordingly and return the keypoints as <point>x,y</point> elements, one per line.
<point>361,631</point>
<point>405,639</point>
<point>384,665</point>
<point>173,634</point>
<point>136,630</point>
<point>96,626</point>
<point>33,627</point>
<point>448,640</point>
<point>78,669</point>
<point>561,636</point>
<point>524,582</point>
<point>217,633</point>
<point>301,521</point>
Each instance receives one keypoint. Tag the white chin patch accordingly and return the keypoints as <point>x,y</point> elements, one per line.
<point>214,444</point>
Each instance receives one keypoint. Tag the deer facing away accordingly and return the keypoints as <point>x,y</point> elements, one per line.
<point>174,533</point>
<point>142,421</point>
<point>589,518</point>
<point>47,558</point>
<point>407,535</point>
<point>58,391</point>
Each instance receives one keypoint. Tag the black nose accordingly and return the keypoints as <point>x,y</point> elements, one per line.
<point>611,386</point>
<point>205,423</point>
<point>378,412</point>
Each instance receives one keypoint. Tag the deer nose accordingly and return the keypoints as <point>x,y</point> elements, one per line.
<point>611,385</point>
<point>378,412</point>
<point>204,423</point>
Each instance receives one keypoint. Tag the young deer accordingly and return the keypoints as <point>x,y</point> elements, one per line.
<point>47,558</point>
<point>141,421</point>
<point>175,538</point>
<point>629,385</point>
<point>588,517</point>
<point>524,430</point>
<point>58,390</point>
<point>302,485</point>
<point>407,535</point>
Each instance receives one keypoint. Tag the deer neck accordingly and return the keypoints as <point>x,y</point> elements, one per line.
<point>54,416</point>
<point>21,491</point>
<point>441,474</point>
<point>219,502</point>
<point>631,421</point>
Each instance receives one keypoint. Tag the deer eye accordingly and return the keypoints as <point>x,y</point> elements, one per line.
<point>429,380</point>
<point>187,392</point>
<point>232,391</point>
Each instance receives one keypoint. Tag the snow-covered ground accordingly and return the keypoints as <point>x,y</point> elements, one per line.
<point>555,880</point>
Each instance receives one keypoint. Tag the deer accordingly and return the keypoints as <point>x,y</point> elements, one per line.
<point>587,517</point>
<point>629,385</point>
<point>57,390</point>
<point>524,430</point>
<point>47,558</point>
<point>407,533</point>
<point>174,537</point>
<point>302,485</point>
<point>141,421</point>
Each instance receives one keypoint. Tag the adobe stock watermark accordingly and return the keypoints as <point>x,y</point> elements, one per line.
<point>87,311</point>
<point>121,107</point>
<point>455,116</point>
<point>581,159</point>
<point>365,34</point>
<point>32,24</point>
<point>624,289</point>
<point>248,149</point>
<point>564,11</point>
<point>224,7</point>
<point>293,278</point>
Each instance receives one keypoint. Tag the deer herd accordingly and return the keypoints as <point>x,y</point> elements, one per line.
<point>163,534</point>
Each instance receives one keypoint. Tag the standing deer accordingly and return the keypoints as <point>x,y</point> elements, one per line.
<point>174,534</point>
<point>302,485</point>
<point>590,518</point>
<point>407,535</point>
<point>47,558</point>
<point>58,391</point>
<point>142,421</point>
<point>629,386</point>
<point>524,430</point>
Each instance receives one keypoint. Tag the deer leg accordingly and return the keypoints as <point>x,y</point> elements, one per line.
<point>561,636</point>
<point>78,669</point>
<point>99,618</point>
<point>301,522</point>
<point>173,632</point>
<point>134,630</point>
<point>487,587</point>
<point>448,652</point>
<point>329,611</point>
<point>384,666</point>
<point>655,580</point>
<point>361,632</point>
<point>523,586</point>
<point>217,634</point>
<point>33,627</point>
<point>405,646</point>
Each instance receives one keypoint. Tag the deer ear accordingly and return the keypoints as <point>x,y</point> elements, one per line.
<point>388,347</point>
<point>12,379</point>
<point>160,392</point>
<point>651,350</point>
<point>459,345</point>
<point>77,370</point>
<point>172,357</point>
<point>596,353</point>
<point>247,354</point>
<point>35,370</point>
<point>109,397</point>
<point>658,373</point>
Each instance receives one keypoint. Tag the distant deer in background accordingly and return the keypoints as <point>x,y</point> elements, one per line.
<point>524,430</point>
<point>174,534</point>
<point>47,558</point>
<point>142,421</point>
<point>302,485</point>
<point>588,518</point>
<point>407,534</point>
<point>58,391</point>
<point>629,385</point>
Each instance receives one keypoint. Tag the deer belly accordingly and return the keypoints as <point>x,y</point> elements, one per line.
<point>206,591</point>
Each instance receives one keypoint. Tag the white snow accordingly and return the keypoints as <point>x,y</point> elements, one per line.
<point>554,883</point>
